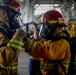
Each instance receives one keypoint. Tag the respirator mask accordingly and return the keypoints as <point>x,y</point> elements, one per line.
<point>46,31</point>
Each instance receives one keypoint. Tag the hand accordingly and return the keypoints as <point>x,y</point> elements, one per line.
<point>20,34</point>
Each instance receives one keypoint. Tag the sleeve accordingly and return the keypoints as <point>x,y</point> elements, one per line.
<point>50,50</point>
<point>17,40</point>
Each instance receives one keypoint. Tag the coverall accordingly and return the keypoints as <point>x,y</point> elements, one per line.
<point>50,53</point>
<point>9,51</point>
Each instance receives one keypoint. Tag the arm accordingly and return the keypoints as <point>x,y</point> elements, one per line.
<point>9,54</point>
<point>47,49</point>
<point>17,40</point>
<point>36,37</point>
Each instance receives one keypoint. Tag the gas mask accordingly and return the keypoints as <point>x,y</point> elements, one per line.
<point>46,31</point>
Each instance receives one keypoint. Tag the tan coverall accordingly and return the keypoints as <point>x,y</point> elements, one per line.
<point>9,52</point>
<point>50,52</point>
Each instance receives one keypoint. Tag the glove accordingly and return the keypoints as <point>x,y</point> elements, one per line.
<point>19,35</point>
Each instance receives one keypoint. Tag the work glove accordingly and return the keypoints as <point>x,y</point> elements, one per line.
<point>19,35</point>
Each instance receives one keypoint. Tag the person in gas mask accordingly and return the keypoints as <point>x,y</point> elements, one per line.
<point>54,53</point>
<point>11,41</point>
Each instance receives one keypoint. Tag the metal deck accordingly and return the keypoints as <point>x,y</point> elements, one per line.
<point>23,63</point>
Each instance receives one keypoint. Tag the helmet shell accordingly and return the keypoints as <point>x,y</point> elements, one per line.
<point>16,5</point>
<point>52,16</point>
<point>13,4</point>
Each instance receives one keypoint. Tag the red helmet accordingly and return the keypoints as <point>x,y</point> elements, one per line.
<point>16,5</point>
<point>53,16</point>
<point>13,4</point>
<point>51,20</point>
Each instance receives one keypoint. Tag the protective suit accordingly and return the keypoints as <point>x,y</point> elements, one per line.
<point>55,54</point>
<point>10,43</point>
<point>50,51</point>
<point>9,52</point>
